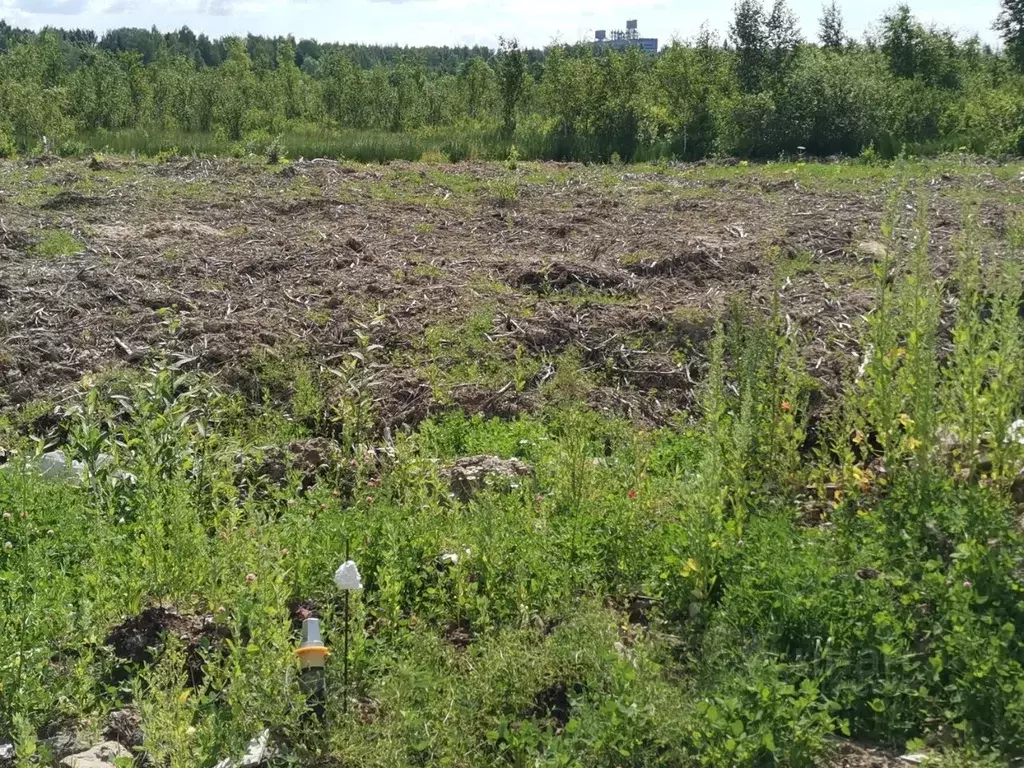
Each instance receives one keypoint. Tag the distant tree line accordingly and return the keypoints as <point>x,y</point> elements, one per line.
<point>761,90</point>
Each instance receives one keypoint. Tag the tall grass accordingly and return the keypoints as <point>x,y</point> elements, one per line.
<point>375,146</point>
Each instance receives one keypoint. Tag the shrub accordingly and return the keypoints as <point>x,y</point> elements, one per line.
<point>8,147</point>
<point>434,156</point>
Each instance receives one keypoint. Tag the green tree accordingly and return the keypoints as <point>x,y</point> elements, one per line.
<point>33,92</point>
<point>565,89</point>
<point>511,82</point>
<point>342,91</point>
<point>900,40</point>
<point>783,36</point>
<point>831,29</point>
<point>289,79</point>
<point>1010,25</point>
<point>932,55</point>
<point>236,91</point>
<point>748,34</point>
<point>479,87</point>
<point>685,83</point>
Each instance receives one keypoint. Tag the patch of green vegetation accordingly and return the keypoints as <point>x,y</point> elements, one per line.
<point>416,194</point>
<point>504,192</point>
<point>196,191</point>
<point>17,427</point>
<point>800,263</point>
<point>319,317</point>
<point>638,257</point>
<point>35,196</point>
<point>425,227</point>
<point>468,353</point>
<point>54,243</point>
<point>434,157</point>
<point>461,185</point>
<point>486,285</point>
<point>428,270</point>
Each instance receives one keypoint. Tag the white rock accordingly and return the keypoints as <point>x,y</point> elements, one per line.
<point>449,558</point>
<point>101,756</point>
<point>914,759</point>
<point>347,577</point>
<point>1015,434</point>
<point>6,753</point>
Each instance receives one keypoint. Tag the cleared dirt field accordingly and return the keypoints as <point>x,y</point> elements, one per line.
<point>481,277</point>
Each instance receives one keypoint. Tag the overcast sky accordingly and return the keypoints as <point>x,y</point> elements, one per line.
<point>454,22</point>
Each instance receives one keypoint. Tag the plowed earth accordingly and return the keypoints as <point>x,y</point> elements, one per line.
<point>628,268</point>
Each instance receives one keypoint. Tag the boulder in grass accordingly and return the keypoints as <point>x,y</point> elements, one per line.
<point>101,756</point>
<point>469,475</point>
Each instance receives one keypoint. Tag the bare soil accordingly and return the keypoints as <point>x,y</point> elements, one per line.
<point>216,260</point>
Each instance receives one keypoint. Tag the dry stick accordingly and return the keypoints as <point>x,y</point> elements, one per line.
<point>344,704</point>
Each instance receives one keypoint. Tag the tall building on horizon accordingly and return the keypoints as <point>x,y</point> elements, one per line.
<point>620,40</point>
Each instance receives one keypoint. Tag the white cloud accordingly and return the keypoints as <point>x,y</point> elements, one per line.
<point>50,7</point>
<point>455,22</point>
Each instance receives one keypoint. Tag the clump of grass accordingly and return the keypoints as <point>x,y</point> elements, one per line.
<point>504,192</point>
<point>55,243</point>
<point>434,156</point>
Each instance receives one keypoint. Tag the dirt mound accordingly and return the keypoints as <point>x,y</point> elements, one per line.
<point>469,475</point>
<point>699,261</point>
<point>44,160</point>
<point>554,705</point>
<point>562,276</point>
<point>13,240</point>
<point>139,640</point>
<point>401,398</point>
<point>311,460</point>
<point>97,163</point>
<point>459,633</point>
<point>64,200</point>
<point>180,229</point>
<point>505,404</point>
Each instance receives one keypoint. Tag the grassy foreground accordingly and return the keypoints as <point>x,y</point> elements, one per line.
<point>739,589</point>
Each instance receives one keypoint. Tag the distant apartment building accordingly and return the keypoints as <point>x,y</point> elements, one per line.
<point>620,40</point>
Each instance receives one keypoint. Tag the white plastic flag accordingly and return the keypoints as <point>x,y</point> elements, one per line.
<point>347,577</point>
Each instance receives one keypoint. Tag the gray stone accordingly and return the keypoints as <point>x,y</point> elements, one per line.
<point>6,755</point>
<point>125,727</point>
<point>101,756</point>
<point>470,475</point>
<point>65,742</point>
<point>872,249</point>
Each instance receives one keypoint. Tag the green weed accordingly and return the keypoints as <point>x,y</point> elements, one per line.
<point>56,243</point>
